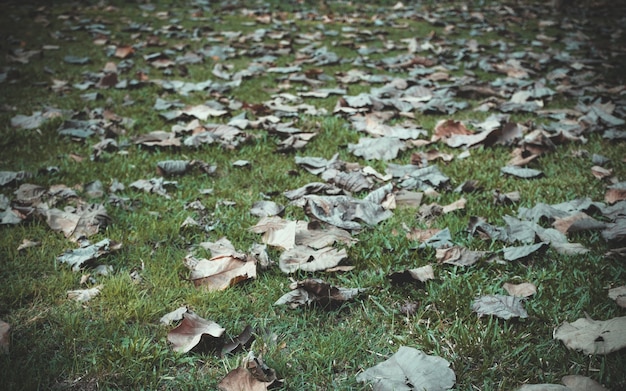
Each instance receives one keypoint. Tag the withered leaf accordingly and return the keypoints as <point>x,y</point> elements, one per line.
<point>8,177</point>
<point>316,291</point>
<point>308,259</point>
<point>88,254</point>
<point>266,209</point>
<point>245,338</point>
<point>382,148</point>
<point>173,316</point>
<point>84,295</point>
<point>505,307</point>
<point>173,167</point>
<point>5,337</point>
<point>520,252</point>
<point>253,375</point>
<point>619,295</point>
<point>191,330</point>
<point>593,336</point>
<point>459,256</point>
<point>524,289</point>
<point>420,274</point>
<point>222,271</point>
<point>410,369</point>
<point>519,172</point>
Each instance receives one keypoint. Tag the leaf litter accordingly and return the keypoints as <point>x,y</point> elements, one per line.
<point>335,208</point>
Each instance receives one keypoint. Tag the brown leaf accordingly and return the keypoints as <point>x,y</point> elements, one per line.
<point>5,337</point>
<point>421,274</point>
<point>191,331</point>
<point>446,128</point>
<point>520,290</point>
<point>581,383</point>
<point>619,295</point>
<point>593,336</point>
<point>505,307</point>
<point>601,172</point>
<point>253,375</point>
<point>315,291</point>
<point>308,259</point>
<point>221,272</point>
<point>124,51</point>
<point>459,256</point>
<point>84,295</point>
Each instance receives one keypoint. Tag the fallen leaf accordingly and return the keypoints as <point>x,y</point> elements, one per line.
<point>27,243</point>
<point>308,259</point>
<point>191,330</point>
<point>266,209</point>
<point>243,340</point>
<point>581,383</point>
<point>223,271</point>
<point>519,172</point>
<point>524,289</point>
<point>253,375</point>
<point>84,295</point>
<point>410,369</point>
<point>459,256</point>
<point>505,307</point>
<point>619,295</point>
<point>88,253</point>
<point>520,252</point>
<point>316,291</point>
<point>420,274</point>
<point>5,337</point>
<point>173,316</point>
<point>593,336</point>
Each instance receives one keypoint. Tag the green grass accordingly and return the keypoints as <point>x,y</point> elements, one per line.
<point>115,341</point>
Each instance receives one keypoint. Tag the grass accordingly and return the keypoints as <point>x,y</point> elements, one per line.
<point>114,341</point>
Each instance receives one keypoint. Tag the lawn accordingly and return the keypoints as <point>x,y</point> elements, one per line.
<point>324,183</point>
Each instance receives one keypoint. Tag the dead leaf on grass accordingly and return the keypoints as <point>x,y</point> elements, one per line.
<point>521,252</point>
<point>524,289</point>
<point>525,173</point>
<point>619,295</point>
<point>173,316</point>
<point>88,253</point>
<point>593,336</point>
<point>316,291</point>
<point>505,307</point>
<point>223,271</point>
<point>420,274</point>
<point>308,259</point>
<point>253,375</point>
<point>5,337</point>
<point>459,256</point>
<point>410,369</point>
<point>581,383</point>
<point>84,295</point>
<point>191,330</point>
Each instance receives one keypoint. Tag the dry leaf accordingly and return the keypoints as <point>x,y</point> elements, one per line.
<point>619,295</point>
<point>5,337</point>
<point>459,256</point>
<point>221,272</point>
<point>84,295</point>
<point>253,375</point>
<point>316,291</point>
<point>191,331</point>
<point>410,369</point>
<point>593,336</point>
<point>309,259</point>
<point>173,316</point>
<point>524,289</point>
<point>505,307</point>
